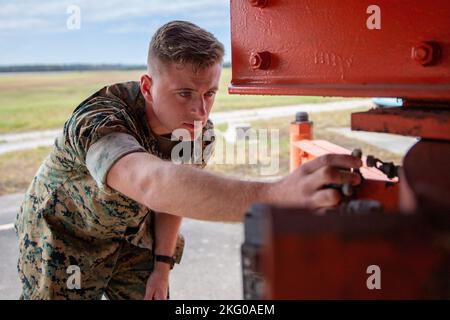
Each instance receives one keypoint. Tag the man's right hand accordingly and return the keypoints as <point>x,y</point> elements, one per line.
<point>305,187</point>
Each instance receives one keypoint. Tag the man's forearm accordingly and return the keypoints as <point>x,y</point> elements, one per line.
<point>190,192</point>
<point>193,193</point>
<point>166,234</point>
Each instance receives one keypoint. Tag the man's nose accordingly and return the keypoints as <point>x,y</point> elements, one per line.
<point>200,108</point>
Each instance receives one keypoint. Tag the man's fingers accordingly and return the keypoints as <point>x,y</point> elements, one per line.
<point>332,160</point>
<point>350,177</point>
<point>161,295</point>
<point>156,295</point>
<point>330,175</point>
<point>324,198</point>
<point>149,293</point>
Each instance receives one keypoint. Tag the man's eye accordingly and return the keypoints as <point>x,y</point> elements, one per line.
<point>184,94</point>
<point>210,94</point>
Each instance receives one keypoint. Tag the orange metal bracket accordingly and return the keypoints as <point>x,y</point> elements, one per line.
<point>376,186</point>
<point>425,123</point>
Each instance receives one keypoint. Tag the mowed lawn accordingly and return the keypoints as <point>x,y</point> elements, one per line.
<point>34,101</point>
<point>18,168</point>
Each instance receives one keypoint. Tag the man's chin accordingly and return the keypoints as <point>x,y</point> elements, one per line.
<point>187,133</point>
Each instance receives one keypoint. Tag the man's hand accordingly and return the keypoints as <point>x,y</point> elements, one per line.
<point>158,283</point>
<point>305,187</point>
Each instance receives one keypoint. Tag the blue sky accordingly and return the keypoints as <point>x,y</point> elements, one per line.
<point>111,31</point>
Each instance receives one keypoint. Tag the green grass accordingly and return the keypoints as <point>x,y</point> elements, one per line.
<point>18,168</point>
<point>34,101</point>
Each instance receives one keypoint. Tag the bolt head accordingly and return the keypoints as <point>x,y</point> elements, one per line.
<point>370,161</point>
<point>260,60</point>
<point>255,61</point>
<point>425,53</point>
<point>357,153</point>
<point>301,116</point>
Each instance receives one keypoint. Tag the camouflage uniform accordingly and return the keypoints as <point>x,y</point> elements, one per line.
<point>69,215</point>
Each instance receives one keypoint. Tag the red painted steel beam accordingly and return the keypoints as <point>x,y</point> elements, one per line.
<point>432,124</point>
<point>315,47</point>
<point>306,256</point>
<point>426,171</point>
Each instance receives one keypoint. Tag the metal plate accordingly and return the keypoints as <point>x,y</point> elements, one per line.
<point>309,256</point>
<point>325,48</point>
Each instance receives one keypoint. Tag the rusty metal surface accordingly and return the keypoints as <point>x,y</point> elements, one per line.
<point>300,255</point>
<point>307,47</point>
<point>426,169</point>
<point>432,124</point>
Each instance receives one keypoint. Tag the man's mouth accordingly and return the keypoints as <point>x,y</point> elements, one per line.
<point>193,125</point>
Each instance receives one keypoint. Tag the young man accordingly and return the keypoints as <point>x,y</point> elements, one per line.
<point>107,202</point>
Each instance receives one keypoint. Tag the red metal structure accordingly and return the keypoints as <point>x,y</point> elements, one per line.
<point>330,48</point>
<point>355,48</point>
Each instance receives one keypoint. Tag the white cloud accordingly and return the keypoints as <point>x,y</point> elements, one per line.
<point>117,9</point>
<point>26,23</point>
<point>49,14</point>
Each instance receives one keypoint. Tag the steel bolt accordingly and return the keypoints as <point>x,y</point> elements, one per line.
<point>425,53</point>
<point>301,116</point>
<point>357,153</point>
<point>258,3</point>
<point>371,161</point>
<point>260,60</point>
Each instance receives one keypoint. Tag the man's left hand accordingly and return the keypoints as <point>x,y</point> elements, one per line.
<point>158,283</point>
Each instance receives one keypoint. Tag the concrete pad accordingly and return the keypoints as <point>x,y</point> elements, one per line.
<point>391,142</point>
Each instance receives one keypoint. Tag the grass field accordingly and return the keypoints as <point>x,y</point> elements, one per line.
<point>18,168</point>
<point>42,101</point>
<point>33,101</point>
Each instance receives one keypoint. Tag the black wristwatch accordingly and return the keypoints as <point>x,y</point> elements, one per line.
<point>165,259</point>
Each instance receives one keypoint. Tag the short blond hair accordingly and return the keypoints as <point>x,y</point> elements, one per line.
<point>182,42</point>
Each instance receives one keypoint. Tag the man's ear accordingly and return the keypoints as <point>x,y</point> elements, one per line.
<point>146,87</point>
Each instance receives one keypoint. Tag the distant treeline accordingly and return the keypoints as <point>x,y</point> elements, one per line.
<point>69,67</point>
<point>76,67</point>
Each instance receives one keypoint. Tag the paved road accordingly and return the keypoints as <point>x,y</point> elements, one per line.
<point>210,267</point>
<point>33,139</point>
<point>9,283</point>
<point>390,142</point>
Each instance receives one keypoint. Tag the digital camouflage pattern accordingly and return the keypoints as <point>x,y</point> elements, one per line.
<point>70,217</point>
